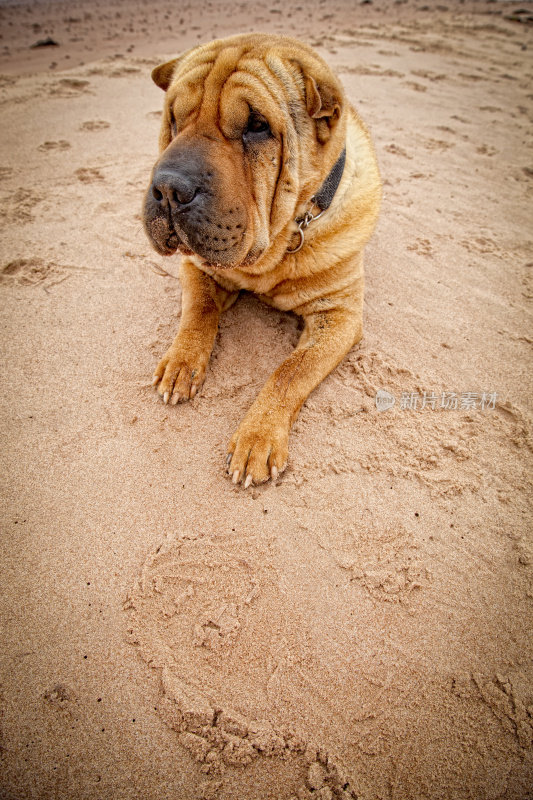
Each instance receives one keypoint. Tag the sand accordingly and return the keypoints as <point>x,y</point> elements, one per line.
<point>362,628</point>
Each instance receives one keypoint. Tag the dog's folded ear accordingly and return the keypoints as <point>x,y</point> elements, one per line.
<point>324,103</point>
<point>323,100</point>
<point>162,75</point>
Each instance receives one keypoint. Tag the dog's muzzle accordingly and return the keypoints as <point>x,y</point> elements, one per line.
<point>185,208</point>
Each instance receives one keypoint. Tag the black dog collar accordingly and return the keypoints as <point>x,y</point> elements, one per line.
<point>322,199</point>
<point>325,194</point>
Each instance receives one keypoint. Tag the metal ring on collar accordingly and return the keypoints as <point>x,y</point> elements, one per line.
<point>303,223</point>
<point>300,243</point>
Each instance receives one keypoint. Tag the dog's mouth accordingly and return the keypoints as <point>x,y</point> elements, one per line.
<point>215,249</point>
<point>176,245</point>
<point>172,243</point>
<point>161,234</point>
<point>164,237</point>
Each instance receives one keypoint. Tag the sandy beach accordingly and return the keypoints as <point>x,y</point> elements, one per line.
<point>362,627</point>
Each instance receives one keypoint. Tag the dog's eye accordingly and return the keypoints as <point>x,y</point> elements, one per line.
<point>257,128</point>
<point>173,125</point>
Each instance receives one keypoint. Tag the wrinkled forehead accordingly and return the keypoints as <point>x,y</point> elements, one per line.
<point>226,84</point>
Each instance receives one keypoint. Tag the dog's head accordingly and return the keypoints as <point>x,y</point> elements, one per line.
<point>251,126</point>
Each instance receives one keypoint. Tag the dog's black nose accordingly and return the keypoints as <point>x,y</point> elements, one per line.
<point>174,187</point>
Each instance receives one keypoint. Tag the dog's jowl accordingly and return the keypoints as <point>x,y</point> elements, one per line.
<point>266,181</point>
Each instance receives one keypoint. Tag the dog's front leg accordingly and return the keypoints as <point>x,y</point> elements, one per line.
<point>181,371</point>
<point>259,448</point>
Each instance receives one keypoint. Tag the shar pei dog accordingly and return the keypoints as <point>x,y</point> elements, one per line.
<point>266,181</point>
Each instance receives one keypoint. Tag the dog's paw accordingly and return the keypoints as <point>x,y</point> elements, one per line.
<point>259,448</point>
<point>179,376</point>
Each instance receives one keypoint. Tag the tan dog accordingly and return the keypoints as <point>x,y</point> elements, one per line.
<point>258,141</point>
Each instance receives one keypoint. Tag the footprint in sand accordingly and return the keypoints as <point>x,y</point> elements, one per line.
<point>372,69</point>
<point>422,246</point>
<point>437,144</point>
<point>199,614</point>
<point>124,72</point>
<point>69,87</point>
<point>430,76</point>
<point>486,150</point>
<point>27,272</point>
<point>482,245</point>
<point>94,125</point>
<point>415,86</point>
<point>395,576</point>
<point>111,71</point>
<point>396,150</point>
<point>89,175</point>
<point>18,206</point>
<point>62,144</point>
<point>34,271</point>
<point>61,699</point>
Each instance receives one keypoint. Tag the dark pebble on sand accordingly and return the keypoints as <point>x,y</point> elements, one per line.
<point>48,42</point>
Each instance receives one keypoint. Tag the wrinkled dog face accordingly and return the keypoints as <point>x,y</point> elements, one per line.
<point>229,176</point>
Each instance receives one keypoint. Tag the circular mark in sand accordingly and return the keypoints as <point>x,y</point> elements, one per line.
<point>208,612</point>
